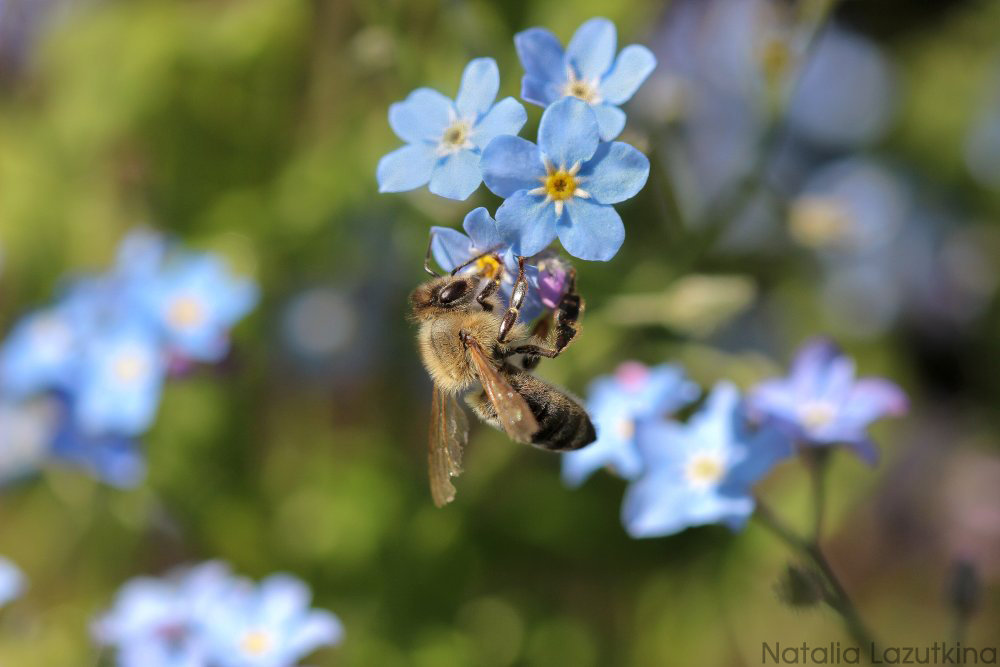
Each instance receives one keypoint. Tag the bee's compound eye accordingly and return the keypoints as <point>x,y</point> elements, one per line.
<point>453,291</point>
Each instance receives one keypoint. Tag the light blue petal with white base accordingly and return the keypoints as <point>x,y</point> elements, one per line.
<point>479,87</point>
<point>456,176</point>
<point>617,172</point>
<point>510,164</point>
<point>592,48</point>
<point>631,68</point>
<point>590,230</point>
<point>568,133</point>
<point>421,117</point>
<point>527,223</point>
<point>507,117</point>
<point>406,168</point>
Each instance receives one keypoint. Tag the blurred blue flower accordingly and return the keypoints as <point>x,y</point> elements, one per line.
<point>587,70</point>
<point>700,472</point>
<point>270,625</point>
<point>114,459</point>
<point>196,300</point>
<point>12,581</point>
<point>120,380</point>
<point>40,353</point>
<point>451,249</point>
<point>160,622</point>
<point>206,617</point>
<point>620,405</point>
<point>822,404</point>
<point>445,138</point>
<point>565,185</point>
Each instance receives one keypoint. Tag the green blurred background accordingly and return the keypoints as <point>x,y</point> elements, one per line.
<point>253,128</point>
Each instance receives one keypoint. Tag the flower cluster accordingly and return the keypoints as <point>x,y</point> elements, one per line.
<point>703,471</point>
<point>82,378</point>
<point>564,186</point>
<point>207,617</point>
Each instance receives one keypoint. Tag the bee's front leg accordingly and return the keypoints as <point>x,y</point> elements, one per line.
<point>516,299</point>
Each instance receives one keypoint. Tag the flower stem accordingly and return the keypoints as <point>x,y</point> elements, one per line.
<point>837,597</point>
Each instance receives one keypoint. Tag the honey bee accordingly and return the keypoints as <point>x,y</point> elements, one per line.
<point>467,340</point>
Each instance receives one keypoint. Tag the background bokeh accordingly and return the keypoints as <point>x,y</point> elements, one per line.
<point>807,178</point>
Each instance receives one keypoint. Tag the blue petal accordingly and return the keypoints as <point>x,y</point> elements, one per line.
<point>406,168</point>
<point>610,120</point>
<point>450,247</point>
<point>539,91</point>
<point>527,223</point>
<point>615,173</point>
<point>592,49</point>
<point>593,231</point>
<point>507,117</point>
<point>541,55</point>
<point>457,175</point>
<point>510,164</point>
<point>421,117</point>
<point>482,229</point>
<point>633,65</point>
<point>480,84</point>
<point>568,132</point>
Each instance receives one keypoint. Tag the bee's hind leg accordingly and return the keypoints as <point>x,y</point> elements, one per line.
<point>567,325</point>
<point>517,295</point>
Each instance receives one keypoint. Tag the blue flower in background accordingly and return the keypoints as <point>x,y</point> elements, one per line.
<point>620,405</point>
<point>588,70</point>
<point>270,625</point>
<point>121,377</point>
<point>452,249</point>
<point>565,185</point>
<point>821,403</point>
<point>196,300</point>
<point>445,138</point>
<point>160,622</point>
<point>40,353</point>
<point>700,472</point>
<point>12,581</point>
<point>114,459</point>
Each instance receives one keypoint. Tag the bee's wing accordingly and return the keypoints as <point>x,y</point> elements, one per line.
<point>448,435</point>
<point>512,409</point>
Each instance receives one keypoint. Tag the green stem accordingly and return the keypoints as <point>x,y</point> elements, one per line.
<point>837,597</point>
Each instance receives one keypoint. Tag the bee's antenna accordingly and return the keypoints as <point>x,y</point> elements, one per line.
<point>488,253</point>
<point>427,259</point>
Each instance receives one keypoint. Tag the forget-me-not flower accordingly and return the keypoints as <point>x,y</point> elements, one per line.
<point>619,405</point>
<point>445,138</point>
<point>40,353</point>
<point>565,185</point>
<point>822,404</point>
<point>114,459</point>
<point>270,625</point>
<point>451,249</point>
<point>161,622</point>
<point>196,300</point>
<point>588,70</point>
<point>12,581</point>
<point>700,472</point>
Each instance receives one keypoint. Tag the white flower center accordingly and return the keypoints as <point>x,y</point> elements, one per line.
<point>817,414</point>
<point>704,470</point>
<point>587,90</point>
<point>818,222</point>
<point>625,428</point>
<point>560,184</point>
<point>456,137</point>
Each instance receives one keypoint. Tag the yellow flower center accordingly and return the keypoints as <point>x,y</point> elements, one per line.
<point>817,221</point>
<point>705,469</point>
<point>129,367</point>
<point>256,642</point>
<point>560,184</point>
<point>185,312</point>
<point>625,429</point>
<point>817,414</point>
<point>455,137</point>
<point>488,266</point>
<point>583,89</point>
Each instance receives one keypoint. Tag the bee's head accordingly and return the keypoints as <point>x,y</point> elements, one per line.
<point>444,294</point>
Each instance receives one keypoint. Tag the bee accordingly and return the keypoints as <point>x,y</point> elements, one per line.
<point>468,340</point>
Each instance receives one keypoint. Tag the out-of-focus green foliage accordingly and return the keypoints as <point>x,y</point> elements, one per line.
<point>253,128</point>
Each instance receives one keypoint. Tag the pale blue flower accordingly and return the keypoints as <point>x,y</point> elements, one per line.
<point>270,625</point>
<point>587,70</point>
<point>41,352</point>
<point>445,138</point>
<point>565,185</point>
<point>700,472</point>
<point>620,405</point>
<point>12,581</point>
<point>161,622</point>
<point>114,459</point>
<point>451,248</point>
<point>120,380</point>
<point>195,300</point>
<point>822,404</point>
